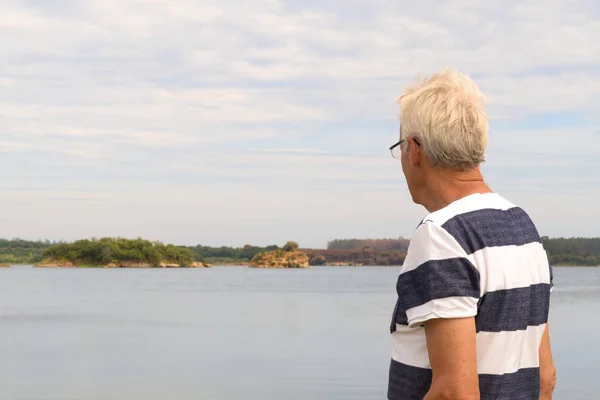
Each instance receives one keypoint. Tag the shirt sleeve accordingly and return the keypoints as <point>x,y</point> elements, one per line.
<point>437,280</point>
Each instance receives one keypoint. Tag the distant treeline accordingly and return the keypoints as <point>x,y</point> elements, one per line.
<point>361,252</point>
<point>365,256</point>
<point>19,251</point>
<point>399,244</point>
<point>561,251</point>
<point>229,255</point>
<point>573,251</point>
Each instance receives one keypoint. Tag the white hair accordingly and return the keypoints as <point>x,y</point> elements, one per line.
<point>445,113</point>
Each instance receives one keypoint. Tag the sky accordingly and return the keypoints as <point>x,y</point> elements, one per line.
<point>228,122</point>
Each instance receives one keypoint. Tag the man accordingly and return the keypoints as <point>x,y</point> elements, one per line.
<point>471,317</point>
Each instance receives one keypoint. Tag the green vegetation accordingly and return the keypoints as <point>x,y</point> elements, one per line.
<point>19,251</point>
<point>290,246</point>
<point>117,251</point>
<point>228,255</point>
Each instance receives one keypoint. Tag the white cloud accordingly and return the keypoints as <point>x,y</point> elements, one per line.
<point>6,82</point>
<point>294,151</point>
<point>276,94</point>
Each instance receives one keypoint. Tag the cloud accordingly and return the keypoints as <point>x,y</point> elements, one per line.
<point>284,107</point>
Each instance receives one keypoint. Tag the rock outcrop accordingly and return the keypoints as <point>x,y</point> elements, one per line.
<point>121,264</point>
<point>198,264</point>
<point>168,265</point>
<point>129,264</point>
<point>55,264</point>
<point>344,264</point>
<point>289,257</point>
<point>136,264</point>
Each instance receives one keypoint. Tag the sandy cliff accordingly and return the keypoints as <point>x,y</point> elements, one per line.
<point>55,264</point>
<point>120,264</point>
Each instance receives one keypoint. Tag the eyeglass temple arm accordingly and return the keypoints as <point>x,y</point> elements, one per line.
<point>400,142</point>
<point>396,145</point>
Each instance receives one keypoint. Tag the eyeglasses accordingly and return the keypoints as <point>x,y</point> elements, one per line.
<point>396,151</point>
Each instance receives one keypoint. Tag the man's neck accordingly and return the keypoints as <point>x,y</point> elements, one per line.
<point>449,186</point>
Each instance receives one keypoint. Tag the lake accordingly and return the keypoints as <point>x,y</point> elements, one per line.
<point>235,333</point>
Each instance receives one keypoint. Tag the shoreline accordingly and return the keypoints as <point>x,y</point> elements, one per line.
<point>562,252</point>
<point>84,266</point>
<point>124,264</point>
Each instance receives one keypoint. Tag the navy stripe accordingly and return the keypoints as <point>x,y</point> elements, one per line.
<point>438,279</point>
<point>513,309</point>
<point>522,385</point>
<point>412,383</point>
<point>492,228</point>
<point>407,382</point>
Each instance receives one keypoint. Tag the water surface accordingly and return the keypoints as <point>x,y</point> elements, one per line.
<point>231,332</point>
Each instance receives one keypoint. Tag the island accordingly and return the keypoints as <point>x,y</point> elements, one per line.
<point>287,257</point>
<point>118,253</point>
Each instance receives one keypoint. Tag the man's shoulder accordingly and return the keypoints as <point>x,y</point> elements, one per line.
<point>478,221</point>
<point>470,206</point>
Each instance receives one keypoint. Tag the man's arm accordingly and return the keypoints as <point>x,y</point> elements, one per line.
<point>547,369</point>
<point>452,352</point>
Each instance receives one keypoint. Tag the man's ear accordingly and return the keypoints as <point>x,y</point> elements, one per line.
<point>414,151</point>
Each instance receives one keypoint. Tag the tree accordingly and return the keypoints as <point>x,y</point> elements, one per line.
<point>290,246</point>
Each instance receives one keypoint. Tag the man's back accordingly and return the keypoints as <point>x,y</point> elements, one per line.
<point>479,256</point>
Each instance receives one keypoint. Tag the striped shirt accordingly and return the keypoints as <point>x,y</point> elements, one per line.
<point>481,257</point>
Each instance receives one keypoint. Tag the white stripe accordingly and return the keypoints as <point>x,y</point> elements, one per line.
<point>507,352</point>
<point>470,203</point>
<point>511,267</point>
<point>409,347</point>
<point>448,307</point>
<point>430,242</point>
